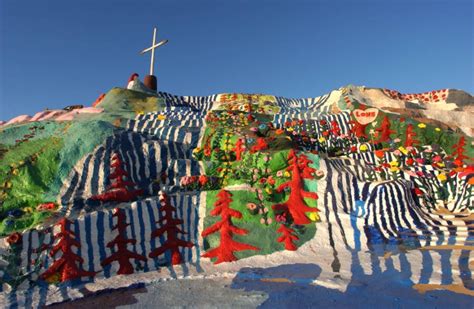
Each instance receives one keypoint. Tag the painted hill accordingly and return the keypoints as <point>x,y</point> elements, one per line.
<point>350,181</point>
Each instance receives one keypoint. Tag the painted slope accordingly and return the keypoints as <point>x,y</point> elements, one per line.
<point>369,223</point>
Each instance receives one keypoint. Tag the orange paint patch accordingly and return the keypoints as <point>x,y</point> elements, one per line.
<point>456,288</point>
<point>448,247</point>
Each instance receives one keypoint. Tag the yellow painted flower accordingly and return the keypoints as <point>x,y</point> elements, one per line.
<point>322,139</point>
<point>197,149</point>
<point>28,210</point>
<point>286,174</point>
<point>394,163</point>
<point>140,113</point>
<point>441,164</point>
<point>394,169</point>
<point>314,217</point>
<point>269,190</point>
<point>290,129</point>
<point>364,147</point>
<point>55,278</point>
<point>403,150</point>
<point>442,177</point>
<point>421,125</point>
<point>437,129</point>
<point>161,117</point>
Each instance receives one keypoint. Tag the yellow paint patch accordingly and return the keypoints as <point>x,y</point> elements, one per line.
<point>281,280</point>
<point>456,288</point>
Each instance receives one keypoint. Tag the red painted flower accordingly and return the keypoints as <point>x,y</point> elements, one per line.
<point>420,161</point>
<point>13,238</point>
<point>203,180</point>
<point>410,161</point>
<point>418,191</point>
<point>379,153</point>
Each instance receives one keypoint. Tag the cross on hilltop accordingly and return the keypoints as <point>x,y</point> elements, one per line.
<point>150,80</point>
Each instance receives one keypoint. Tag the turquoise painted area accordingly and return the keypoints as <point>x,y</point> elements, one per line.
<point>10,134</point>
<point>312,185</point>
<point>81,138</point>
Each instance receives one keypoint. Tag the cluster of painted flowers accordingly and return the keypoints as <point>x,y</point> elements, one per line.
<point>318,136</point>
<point>233,119</point>
<point>260,209</point>
<point>200,182</point>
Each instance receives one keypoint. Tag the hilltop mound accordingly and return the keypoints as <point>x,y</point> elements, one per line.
<point>360,181</point>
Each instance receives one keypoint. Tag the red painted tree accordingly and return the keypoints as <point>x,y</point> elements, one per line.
<point>169,225</point>
<point>122,255</point>
<point>227,246</point>
<point>66,266</point>
<point>239,149</point>
<point>335,129</point>
<point>384,130</point>
<point>357,128</point>
<point>121,189</point>
<point>410,135</point>
<point>458,151</point>
<point>296,204</point>
<point>287,237</point>
<point>260,145</point>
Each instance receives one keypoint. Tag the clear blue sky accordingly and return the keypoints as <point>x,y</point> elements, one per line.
<point>56,53</point>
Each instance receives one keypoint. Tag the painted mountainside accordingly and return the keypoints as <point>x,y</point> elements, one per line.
<point>362,183</point>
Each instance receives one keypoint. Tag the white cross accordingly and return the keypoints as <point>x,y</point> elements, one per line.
<point>152,49</point>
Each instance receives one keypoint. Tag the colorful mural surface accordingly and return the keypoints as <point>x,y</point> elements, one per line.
<point>164,186</point>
